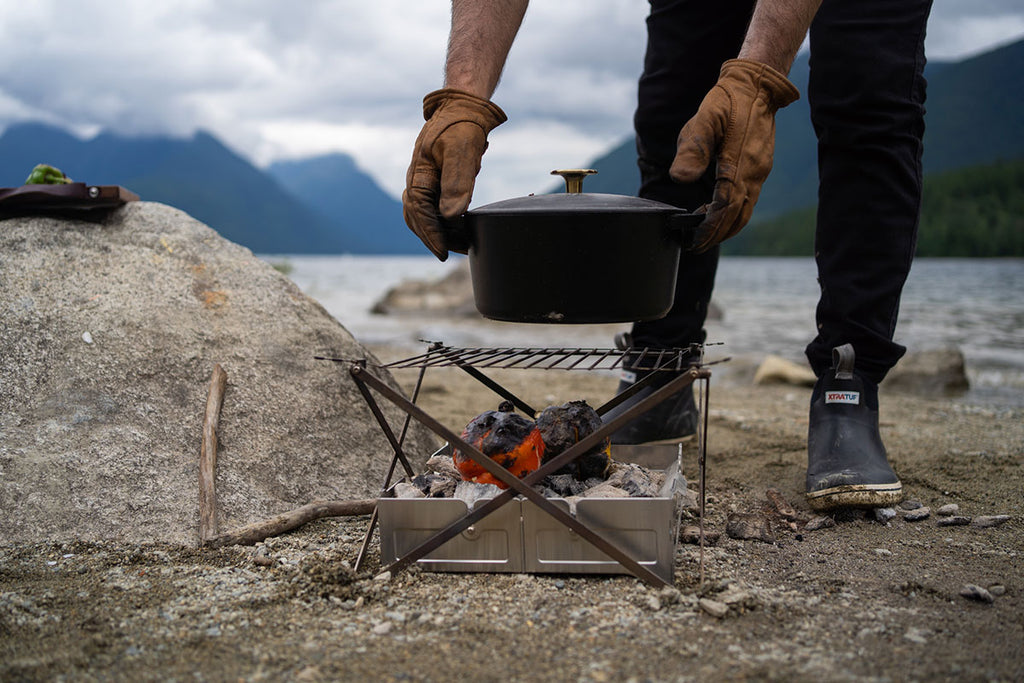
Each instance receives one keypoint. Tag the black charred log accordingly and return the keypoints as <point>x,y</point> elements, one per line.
<point>562,427</point>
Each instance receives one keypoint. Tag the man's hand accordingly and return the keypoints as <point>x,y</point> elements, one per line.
<point>734,127</point>
<point>445,161</point>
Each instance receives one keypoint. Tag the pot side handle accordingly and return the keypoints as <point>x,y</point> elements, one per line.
<point>457,234</point>
<point>686,225</point>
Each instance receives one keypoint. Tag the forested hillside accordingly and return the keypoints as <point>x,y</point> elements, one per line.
<point>977,211</point>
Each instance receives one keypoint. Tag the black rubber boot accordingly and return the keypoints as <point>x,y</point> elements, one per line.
<point>846,460</point>
<point>674,418</point>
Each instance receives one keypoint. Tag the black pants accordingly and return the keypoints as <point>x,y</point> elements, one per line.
<point>866,95</point>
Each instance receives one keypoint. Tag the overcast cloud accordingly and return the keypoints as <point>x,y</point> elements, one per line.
<point>284,80</point>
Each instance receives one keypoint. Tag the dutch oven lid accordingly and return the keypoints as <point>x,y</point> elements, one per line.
<point>574,201</point>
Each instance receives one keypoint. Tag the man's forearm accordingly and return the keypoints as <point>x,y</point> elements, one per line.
<point>481,36</point>
<point>777,30</point>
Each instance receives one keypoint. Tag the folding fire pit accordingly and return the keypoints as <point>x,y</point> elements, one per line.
<point>520,530</point>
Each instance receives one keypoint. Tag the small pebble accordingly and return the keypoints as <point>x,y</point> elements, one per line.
<point>820,523</point>
<point>883,552</point>
<point>670,595</point>
<point>948,510</point>
<point>911,505</point>
<point>883,515</point>
<point>917,514</point>
<point>916,635</point>
<point>383,628</point>
<point>87,338</point>
<point>653,603</point>
<point>383,577</point>
<point>714,608</point>
<point>956,520</point>
<point>997,589</point>
<point>976,593</point>
<point>988,521</point>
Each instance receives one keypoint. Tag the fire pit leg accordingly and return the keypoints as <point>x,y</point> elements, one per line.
<point>394,458</point>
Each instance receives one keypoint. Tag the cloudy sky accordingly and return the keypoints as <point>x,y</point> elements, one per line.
<point>283,80</point>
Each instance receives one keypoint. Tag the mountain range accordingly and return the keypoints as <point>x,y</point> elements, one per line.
<point>327,204</point>
<point>322,205</point>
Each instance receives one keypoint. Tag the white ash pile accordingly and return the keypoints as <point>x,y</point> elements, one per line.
<point>624,480</point>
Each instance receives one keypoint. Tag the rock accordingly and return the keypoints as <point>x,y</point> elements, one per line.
<point>101,441</point>
<point>883,515</point>
<point>956,520</point>
<point>988,521</point>
<point>976,593</point>
<point>669,595</point>
<point>749,526</point>
<point>436,485</point>
<point>605,490</point>
<point>714,608</point>
<point>406,490</point>
<point>777,370</point>
<point>470,492</point>
<point>916,635</point>
<point>883,552</point>
<point>443,465</point>
<point>937,372</point>
<point>449,295</point>
<point>917,515</point>
<point>637,481</point>
<point>948,510</point>
<point>911,505</point>
<point>820,523</point>
<point>997,589</point>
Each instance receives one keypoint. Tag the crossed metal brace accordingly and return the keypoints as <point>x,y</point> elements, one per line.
<point>364,379</point>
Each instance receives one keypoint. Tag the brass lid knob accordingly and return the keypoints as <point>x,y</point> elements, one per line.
<point>574,178</point>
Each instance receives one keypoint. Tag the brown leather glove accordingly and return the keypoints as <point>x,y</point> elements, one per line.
<point>734,126</point>
<point>445,162</point>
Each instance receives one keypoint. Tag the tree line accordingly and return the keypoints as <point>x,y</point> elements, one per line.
<point>970,212</point>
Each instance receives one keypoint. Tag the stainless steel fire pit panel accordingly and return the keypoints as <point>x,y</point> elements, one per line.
<point>641,527</point>
<point>494,544</point>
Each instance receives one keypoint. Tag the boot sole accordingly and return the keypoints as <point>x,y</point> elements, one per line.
<point>856,496</point>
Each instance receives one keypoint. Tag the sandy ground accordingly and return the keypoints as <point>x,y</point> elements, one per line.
<point>862,600</point>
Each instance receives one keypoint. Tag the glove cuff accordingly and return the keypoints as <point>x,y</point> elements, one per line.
<point>464,106</point>
<point>780,90</point>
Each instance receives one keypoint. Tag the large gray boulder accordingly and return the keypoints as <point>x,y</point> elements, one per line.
<point>932,372</point>
<point>110,332</point>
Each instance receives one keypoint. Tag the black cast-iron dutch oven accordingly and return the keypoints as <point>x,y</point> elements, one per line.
<point>576,257</point>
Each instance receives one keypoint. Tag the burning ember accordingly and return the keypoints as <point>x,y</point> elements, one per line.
<point>520,445</point>
<point>507,438</point>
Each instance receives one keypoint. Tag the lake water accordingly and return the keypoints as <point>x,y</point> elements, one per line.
<point>976,305</point>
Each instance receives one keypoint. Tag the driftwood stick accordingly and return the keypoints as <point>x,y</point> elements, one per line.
<point>287,521</point>
<point>781,505</point>
<point>208,456</point>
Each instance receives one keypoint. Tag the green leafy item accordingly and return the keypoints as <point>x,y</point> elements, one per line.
<point>44,174</point>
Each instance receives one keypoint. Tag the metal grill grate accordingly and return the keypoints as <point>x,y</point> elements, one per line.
<point>676,359</point>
